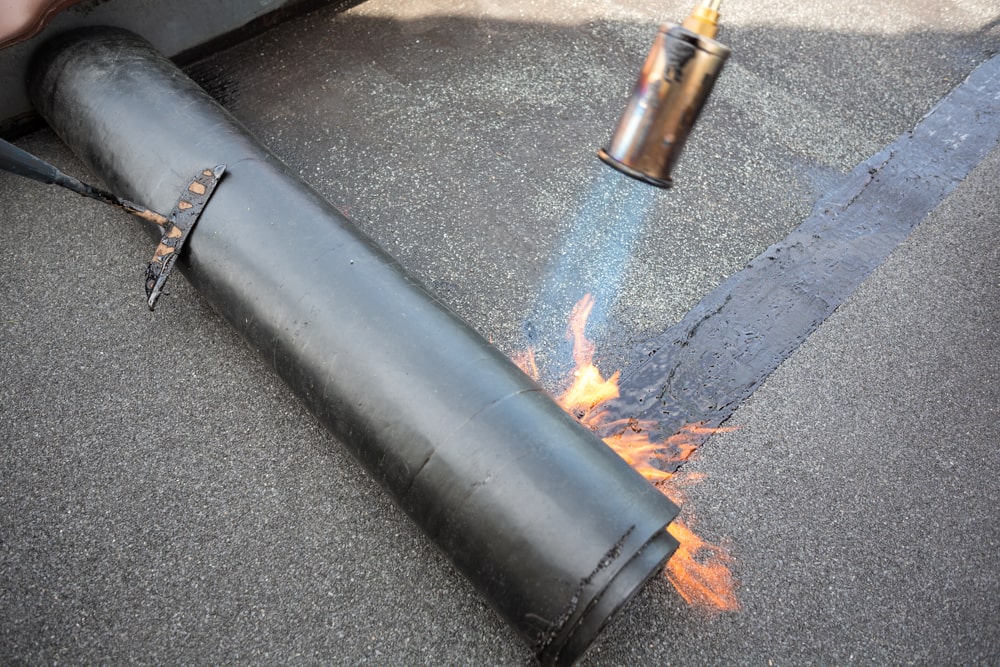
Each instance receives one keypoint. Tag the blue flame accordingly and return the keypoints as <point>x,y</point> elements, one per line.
<point>592,259</point>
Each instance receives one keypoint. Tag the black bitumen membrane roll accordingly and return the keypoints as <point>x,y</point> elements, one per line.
<point>554,529</point>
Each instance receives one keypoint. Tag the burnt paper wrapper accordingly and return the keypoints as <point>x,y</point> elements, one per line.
<point>552,527</point>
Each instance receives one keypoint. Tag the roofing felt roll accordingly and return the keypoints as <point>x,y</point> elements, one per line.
<point>554,529</point>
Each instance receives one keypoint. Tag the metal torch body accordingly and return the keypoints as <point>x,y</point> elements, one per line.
<point>676,80</point>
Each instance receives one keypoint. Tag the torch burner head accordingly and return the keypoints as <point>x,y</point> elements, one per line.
<point>677,77</point>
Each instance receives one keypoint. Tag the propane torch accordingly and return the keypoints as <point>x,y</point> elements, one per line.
<point>677,77</point>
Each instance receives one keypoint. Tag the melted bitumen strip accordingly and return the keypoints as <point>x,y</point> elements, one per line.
<point>704,367</point>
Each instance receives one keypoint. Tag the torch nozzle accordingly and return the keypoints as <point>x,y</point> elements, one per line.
<point>704,19</point>
<point>676,79</point>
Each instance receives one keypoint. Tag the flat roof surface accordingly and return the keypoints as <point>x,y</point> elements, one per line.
<point>857,496</point>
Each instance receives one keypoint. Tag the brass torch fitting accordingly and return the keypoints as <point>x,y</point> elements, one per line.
<point>704,19</point>
<point>680,70</point>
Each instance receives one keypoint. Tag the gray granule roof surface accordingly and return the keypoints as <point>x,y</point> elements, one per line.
<point>203,516</point>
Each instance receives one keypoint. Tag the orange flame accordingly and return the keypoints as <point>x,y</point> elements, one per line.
<point>698,570</point>
<point>588,389</point>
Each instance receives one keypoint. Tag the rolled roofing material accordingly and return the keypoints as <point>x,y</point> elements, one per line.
<point>554,529</point>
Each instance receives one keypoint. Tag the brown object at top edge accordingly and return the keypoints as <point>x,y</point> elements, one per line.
<point>23,19</point>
